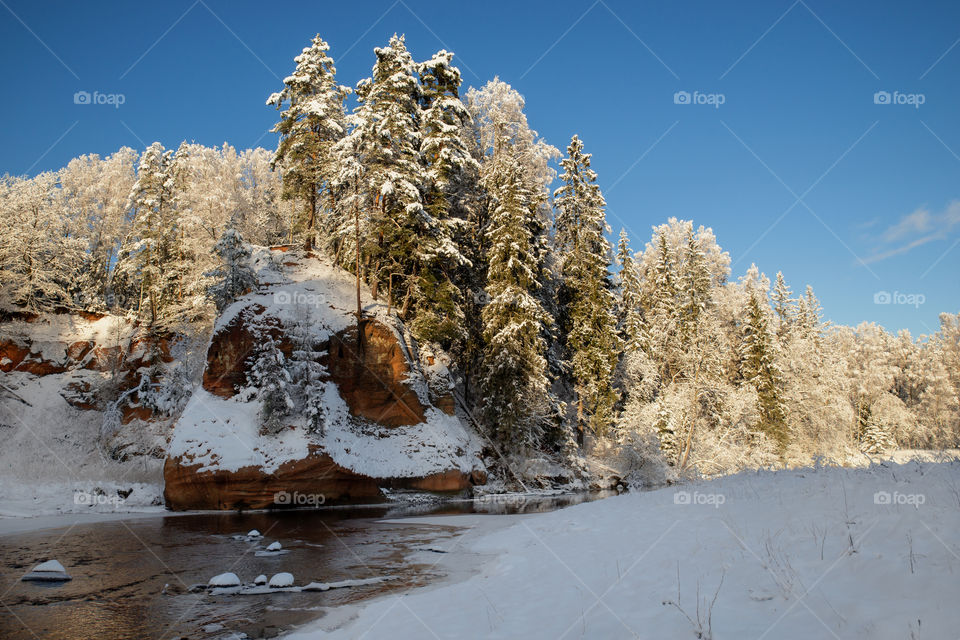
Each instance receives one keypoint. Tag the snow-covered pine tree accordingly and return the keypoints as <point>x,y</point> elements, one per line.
<point>307,374</point>
<point>314,120</point>
<point>587,303</point>
<point>759,368</point>
<point>661,310</point>
<point>695,288</point>
<point>452,180</point>
<point>670,443</point>
<point>513,381</point>
<point>782,306</point>
<point>269,374</point>
<point>630,312</point>
<point>142,257</point>
<point>233,277</point>
<point>385,142</point>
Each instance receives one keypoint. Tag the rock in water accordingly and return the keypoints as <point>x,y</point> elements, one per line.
<point>274,547</point>
<point>281,580</point>
<point>49,571</point>
<point>225,580</point>
<point>260,580</point>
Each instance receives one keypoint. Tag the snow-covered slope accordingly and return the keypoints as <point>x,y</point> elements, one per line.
<point>818,553</point>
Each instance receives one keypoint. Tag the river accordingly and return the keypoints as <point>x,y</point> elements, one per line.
<point>132,578</point>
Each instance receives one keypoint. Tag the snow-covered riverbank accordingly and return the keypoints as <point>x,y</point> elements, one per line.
<point>829,552</point>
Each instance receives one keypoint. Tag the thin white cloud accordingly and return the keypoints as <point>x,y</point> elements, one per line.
<point>915,229</point>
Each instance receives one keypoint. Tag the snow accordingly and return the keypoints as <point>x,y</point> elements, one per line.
<point>274,546</point>
<point>260,579</point>
<point>49,565</point>
<point>219,433</point>
<point>253,533</point>
<point>282,580</point>
<point>225,580</point>
<point>812,553</point>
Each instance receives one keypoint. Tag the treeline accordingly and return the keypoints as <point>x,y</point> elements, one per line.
<point>443,202</point>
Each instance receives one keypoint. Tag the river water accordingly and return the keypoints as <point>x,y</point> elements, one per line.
<point>132,578</point>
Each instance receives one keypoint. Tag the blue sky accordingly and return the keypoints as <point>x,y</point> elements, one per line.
<point>799,169</point>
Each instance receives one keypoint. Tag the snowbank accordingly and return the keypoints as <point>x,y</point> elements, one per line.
<point>817,553</point>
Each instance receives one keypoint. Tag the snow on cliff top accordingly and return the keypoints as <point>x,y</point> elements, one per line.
<point>223,433</point>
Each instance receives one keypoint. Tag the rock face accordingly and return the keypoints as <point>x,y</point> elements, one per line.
<point>371,375</point>
<point>311,481</point>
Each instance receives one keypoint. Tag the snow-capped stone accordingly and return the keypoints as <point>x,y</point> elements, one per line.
<point>260,579</point>
<point>253,533</point>
<point>281,580</point>
<point>49,565</point>
<point>225,580</point>
<point>49,571</point>
<point>275,546</point>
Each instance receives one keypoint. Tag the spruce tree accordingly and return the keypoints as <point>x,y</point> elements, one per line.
<point>630,313</point>
<point>513,379</point>
<point>451,181</point>
<point>587,303</point>
<point>759,368</point>
<point>143,255</point>
<point>782,306</point>
<point>233,277</point>
<point>385,142</point>
<point>313,121</point>
<point>270,376</point>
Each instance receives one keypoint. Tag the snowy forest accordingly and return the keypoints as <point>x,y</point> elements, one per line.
<point>493,246</point>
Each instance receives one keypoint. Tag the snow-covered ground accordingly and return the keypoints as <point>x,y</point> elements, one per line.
<point>815,553</point>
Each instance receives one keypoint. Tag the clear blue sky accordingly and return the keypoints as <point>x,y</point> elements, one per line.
<point>798,170</point>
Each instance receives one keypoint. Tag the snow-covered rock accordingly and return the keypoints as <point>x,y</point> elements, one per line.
<point>224,580</point>
<point>382,421</point>
<point>260,579</point>
<point>274,546</point>
<point>280,580</point>
<point>49,571</point>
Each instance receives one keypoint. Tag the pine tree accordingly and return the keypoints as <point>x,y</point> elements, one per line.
<point>452,175</point>
<point>782,306</point>
<point>695,285</point>
<point>385,143</point>
<point>307,374</point>
<point>760,370</point>
<point>670,443</point>
<point>312,123</point>
<point>630,313</point>
<point>233,277</point>
<point>143,256</point>
<point>269,374</point>
<point>587,303</point>
<point>662,310</point>
<point>513,380</point>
